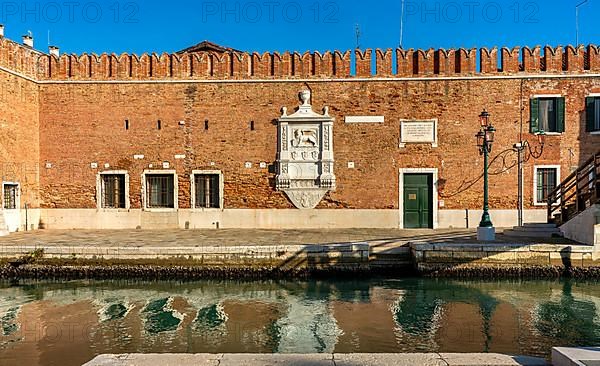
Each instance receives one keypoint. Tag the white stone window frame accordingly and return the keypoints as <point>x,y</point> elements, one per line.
<point>175,190</point>
<point>535,182</point>
<point>193,189</point>
<point>100,189</point>
<point>433,143</point>
<point>593,95</point>
<point>17,196</point>
<point>538,96</point>
<point>435,199</point>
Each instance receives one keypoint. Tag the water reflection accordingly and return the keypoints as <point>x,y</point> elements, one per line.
<point>41,323</point>
<point>580,313</point>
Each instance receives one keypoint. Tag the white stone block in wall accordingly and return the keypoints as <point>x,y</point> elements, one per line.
<point>365,119</point>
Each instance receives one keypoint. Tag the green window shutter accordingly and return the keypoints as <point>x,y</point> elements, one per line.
<point>560,114</point>
<point>535,115</point>
<point>590,113</point>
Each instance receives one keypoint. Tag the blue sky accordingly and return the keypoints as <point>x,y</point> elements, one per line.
<point>277,25</point>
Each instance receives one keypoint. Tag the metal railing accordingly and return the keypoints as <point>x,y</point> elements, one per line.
<point>576,193</point>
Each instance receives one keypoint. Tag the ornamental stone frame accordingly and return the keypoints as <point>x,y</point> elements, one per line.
<point>305,154</point>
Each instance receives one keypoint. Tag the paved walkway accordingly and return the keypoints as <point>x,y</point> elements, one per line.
<point>399,359</point>
<point>227,237</point>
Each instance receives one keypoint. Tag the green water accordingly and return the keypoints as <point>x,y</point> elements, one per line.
<point>48,323</point>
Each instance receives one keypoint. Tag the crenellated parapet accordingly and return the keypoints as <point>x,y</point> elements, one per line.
<point>368,63</point>
<point>20,59</point>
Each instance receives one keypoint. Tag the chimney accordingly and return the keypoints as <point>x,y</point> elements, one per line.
<point>54,51</point>
<point>28,40</point>
<point>1,30</point>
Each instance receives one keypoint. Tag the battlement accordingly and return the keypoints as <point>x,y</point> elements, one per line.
<point>336,64</point>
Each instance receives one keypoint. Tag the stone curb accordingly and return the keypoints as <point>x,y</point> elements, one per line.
<point>325,359</point>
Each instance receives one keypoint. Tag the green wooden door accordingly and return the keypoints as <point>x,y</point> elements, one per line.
<point>418,208</point>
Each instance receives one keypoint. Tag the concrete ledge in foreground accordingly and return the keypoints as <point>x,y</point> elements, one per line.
<point>562,356</point>
<point>325,359</point>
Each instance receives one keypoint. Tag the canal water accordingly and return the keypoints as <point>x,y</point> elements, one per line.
<point>50,323</point>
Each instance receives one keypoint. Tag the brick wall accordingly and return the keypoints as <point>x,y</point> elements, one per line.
<point>19,135</point>
<point>85,123</point>
<point>84,101</point>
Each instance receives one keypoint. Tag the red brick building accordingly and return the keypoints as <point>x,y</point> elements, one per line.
<point>198,139</point>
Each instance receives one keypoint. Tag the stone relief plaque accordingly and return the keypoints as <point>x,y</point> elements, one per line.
<point>418,132</point>
<point>305,156</point>
<point>305,137</point>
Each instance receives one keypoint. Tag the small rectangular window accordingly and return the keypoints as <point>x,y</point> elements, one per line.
<point>113,191</point>
<point>160,191</point>
<point>208,188</point>
<point>547,181</point>
<point>10,196</point>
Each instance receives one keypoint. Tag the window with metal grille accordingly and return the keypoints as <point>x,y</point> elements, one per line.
<point>10,196</point>
<point>207,190</point>
<point>160,191</point>
<point>113,191</point>
<point>546,183</point>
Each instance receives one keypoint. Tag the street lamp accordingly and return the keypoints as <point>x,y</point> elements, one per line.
<point>534,152</point>
<point>485,140</point>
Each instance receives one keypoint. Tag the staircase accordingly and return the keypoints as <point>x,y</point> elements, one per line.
<point>3,227</point>
<point>534,231</point>
<point>577,193</point>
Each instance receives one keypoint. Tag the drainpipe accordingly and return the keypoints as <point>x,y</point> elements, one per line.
<point>26,220</point>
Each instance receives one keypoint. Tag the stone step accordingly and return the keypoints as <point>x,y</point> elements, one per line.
<point>539,225</point>
<point>537,229</point>
<point>532,234</point>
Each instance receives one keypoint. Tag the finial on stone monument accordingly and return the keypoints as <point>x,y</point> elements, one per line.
<point>284,112</point>
<point>305,97</point>
<point>326,111</point>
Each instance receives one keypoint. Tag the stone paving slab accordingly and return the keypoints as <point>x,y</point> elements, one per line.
<point>377,238</point>
<point>405,359</point>
<point>489,359</point>
<point>277,360</point>
<point>325,359</point>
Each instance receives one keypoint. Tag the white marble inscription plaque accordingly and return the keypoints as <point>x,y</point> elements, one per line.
<point>418,132</point>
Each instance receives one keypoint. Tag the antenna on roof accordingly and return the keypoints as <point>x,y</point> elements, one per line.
<point>358,34</point>
<point>48,37</point>
<point>401,23</point>
<point>577,21</point>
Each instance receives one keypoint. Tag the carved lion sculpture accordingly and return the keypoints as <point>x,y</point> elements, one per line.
<point>304,138</point>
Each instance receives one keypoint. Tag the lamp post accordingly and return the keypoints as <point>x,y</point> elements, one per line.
<point>534,152</point>
<point>485,140</point>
